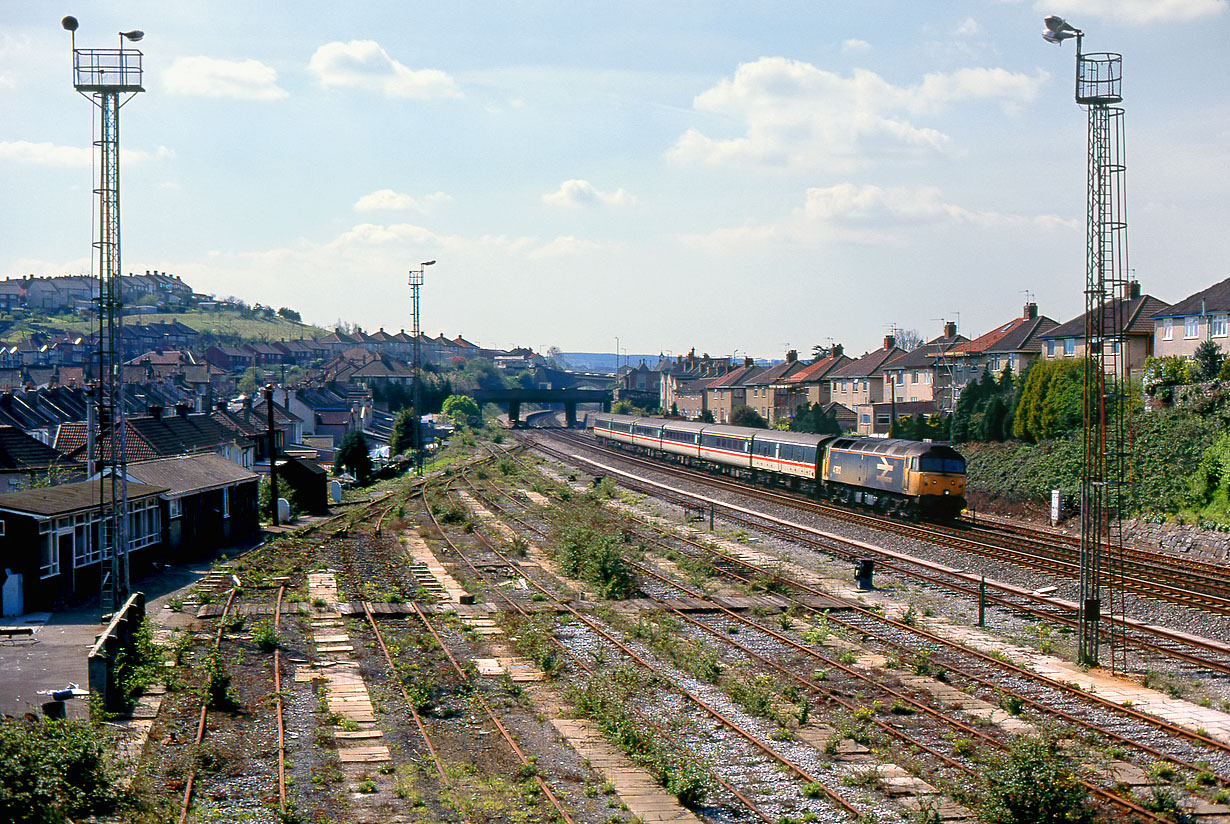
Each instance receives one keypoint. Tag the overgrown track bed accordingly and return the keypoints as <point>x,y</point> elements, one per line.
<point>865,689</point>
<point>1148,640</point>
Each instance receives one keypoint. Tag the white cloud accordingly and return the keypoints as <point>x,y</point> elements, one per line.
<point>50,154</point>
<point>967,28</point>
<point>212,77</point>
<point>854,45</point>
<point>797,115</point>
<point>387,200</point>
<point>363,64</point>
<point>7,82</point>
<point>1138,12</point>
<point>853,213</point>
<point>582,194</point>
<point>567,246</point>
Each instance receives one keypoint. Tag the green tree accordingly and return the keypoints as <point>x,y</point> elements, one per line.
<point>462,409</point>
<point>403,440</point>
<point>746,416</point>
<point>250,380</point>
<point>290,314</point>
<point>1207,360</point>
<point>352,455</point>
<point>706,416</point>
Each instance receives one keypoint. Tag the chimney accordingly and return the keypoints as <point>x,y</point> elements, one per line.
<point>155,412</point>
<point>748,361</point>
<point>950,329</point>
<point>220,406</point>
<point>792,356</point>
<point>1131,290</point>
<point>247,403</point>
<point>838,350</point>
<point>181,409</point>
<point>1031,311</point>
<point>889,341</point>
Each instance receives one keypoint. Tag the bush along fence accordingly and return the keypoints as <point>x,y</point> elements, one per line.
<point>109,651</point>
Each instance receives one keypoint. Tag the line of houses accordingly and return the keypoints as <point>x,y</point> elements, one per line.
<point>865,392</point>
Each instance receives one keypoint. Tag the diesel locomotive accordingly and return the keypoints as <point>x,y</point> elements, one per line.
<point>906,478</point>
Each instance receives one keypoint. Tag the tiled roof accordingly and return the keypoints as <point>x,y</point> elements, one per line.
<point>150,438</point>
<point>1216,298</point>
<point>190,473</point>
<point>774,373</point>
<point>921,357</point>
<point>737,377</point>
<point>64,499</point>
<point>868,364</point>
<point>1139,313</point>
<point>20,451</point>
<point>816,371</point>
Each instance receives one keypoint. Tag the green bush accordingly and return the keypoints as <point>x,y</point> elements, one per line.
<point>1033,784</point>
<point>54,771</point>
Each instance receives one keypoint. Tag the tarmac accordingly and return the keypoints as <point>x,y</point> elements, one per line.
<point>54,657</point>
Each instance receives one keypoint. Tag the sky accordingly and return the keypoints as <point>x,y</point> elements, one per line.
<point>744,177</point>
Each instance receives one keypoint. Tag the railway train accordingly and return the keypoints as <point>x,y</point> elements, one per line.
<point>900,477</point>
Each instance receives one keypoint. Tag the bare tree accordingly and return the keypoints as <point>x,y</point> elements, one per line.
<point>908,339</point>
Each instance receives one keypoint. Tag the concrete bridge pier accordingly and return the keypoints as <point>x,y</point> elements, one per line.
<point>570,414</point>
<point>514,412</point>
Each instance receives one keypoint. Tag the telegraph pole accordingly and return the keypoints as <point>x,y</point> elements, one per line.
<point>416,282</point>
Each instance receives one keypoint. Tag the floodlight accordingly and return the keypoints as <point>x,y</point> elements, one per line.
<point>69,23</point>
<point>1057,29</point>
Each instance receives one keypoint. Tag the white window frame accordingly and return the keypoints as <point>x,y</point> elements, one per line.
<point>1218,325</point>
<point>1191,327</point>
<point>175,508</point>
<point>49,550</point>
<point>226,502</point>
<point>1069,346</point>
<point>1167,328</point>
<point>1050,348</point>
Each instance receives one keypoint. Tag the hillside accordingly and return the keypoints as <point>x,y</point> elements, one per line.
<point>224,324</point>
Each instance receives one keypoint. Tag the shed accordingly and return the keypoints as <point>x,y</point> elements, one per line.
<point>308,481</point>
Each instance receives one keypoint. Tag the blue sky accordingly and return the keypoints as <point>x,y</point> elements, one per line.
<point>678,174</point>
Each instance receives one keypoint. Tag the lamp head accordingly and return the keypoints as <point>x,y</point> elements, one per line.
<point>1057,29</point>
<point>135,35</point>
<point>69,23</point>
<point>428,263</point>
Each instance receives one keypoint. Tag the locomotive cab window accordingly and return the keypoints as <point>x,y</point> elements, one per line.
<point>928,463</point>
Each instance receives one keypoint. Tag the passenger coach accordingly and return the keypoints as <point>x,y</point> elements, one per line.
<point>903,477</point>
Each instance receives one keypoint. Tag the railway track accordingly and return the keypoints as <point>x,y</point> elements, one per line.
<point>1148,640</point>
<point>826,692</point>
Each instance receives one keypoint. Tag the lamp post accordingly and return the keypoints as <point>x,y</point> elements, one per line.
<point>104,76</point>
<point>1104,471</point>
<point>416,281</point>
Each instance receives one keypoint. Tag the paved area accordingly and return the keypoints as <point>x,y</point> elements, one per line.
<point>55,656</point>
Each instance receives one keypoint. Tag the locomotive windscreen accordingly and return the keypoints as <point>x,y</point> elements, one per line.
<point>931,463</point>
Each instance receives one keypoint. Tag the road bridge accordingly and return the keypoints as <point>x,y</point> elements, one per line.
<point>513,398</point>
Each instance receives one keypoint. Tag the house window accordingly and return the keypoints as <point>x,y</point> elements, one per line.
<point>226,502</point>
<point>175,508</point>
<point>1167,328</point>
<point>1050,348</point>
<point>1191,327</point>
<point>1219,326</point>
<point>49,556</point>
<point>864,418</point>
<point>1069,346</point>
<point>915,377</point>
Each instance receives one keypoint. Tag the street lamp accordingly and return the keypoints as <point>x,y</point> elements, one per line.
<point>416,281</point>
